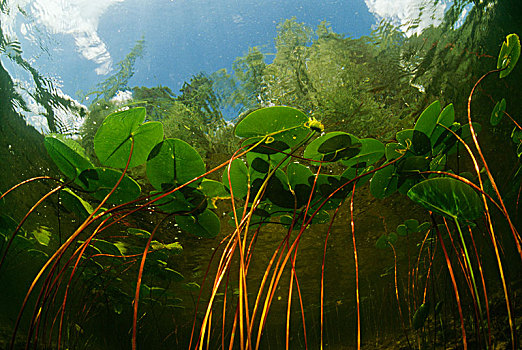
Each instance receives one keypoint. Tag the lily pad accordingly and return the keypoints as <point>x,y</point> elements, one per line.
<point>205,224</point>
<point>498,112</point>
<point>67,154</point>
<point>238,177</point>
<point>333,146</point>
<point>100,181</point>
<point>75,204</point>
<point>113,140</point>
<point>384,182</point>
<point>509,54</point>
<point>172,163</point>
<point>448,197</point>
<point>285,125</point>
<point>372,150</point>
<point>428,119</point>
<point>446,118</point>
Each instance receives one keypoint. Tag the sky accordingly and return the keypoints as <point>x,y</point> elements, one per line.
<point>79,42</point>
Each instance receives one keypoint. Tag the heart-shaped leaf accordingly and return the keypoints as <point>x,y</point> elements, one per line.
<point>333,146</point>
<point>509,54</point>
<point>448,197</point>
<point>67,154</point>
<point>113,140</point>
<point>172,163</point>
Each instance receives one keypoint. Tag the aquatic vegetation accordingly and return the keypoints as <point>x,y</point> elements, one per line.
<point>288,172</point>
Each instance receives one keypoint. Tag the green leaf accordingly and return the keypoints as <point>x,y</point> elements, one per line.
<point>425,226</point>
<point>509,54</point>
<point>214,190</point>
<point>177,202</point>
<point>333,146</point>
<point>67,154</point>
<point>516,135</point>
<point>205,224</point>
<point>384,182</point>
<point>106,247</point>
<point>238,177</point>
<point>446,118</point>
<point>113,140</point>
<point>75,204</point>
<point>278,190</point>
<point>173,275</point>
<point>298,176</point>
<point>448,197</point>
<point>428,119</point>
<point>138,232</point>
<point>285,125</point>
<point>352,172</point>
<point>420,316</point>
<point>402,230</point>
<point>414,140</point>
<point>172,163</point>
<point>372,150</point>
<point>386,240</point>
<point>100,181</point>
<point>42,235</point>
<point>412,225</point>
<point>393,151</point>
<point>498,112</point>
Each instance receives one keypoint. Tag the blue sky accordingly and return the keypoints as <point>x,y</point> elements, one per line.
<point>79,42</point>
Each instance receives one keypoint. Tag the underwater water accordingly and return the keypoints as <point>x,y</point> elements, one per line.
<point>260,175</point>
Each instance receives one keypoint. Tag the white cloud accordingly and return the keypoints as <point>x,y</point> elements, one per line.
<point>411,15</point>
<point>77,18</point>
<point>122,97</point>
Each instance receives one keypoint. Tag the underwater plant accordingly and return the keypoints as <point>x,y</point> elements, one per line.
<point>282,174</point>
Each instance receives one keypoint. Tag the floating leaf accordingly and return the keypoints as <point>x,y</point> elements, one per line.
<point>393,151</point>
<point>448,197</point>
<point>333,146</point>
<point>384,182</point>
<point>298,176</point>
<point>428,119</point>
<point>285,125</point>
<point>100,181</point>
<point>75,204</point>
<point>112,142</point>
<point>67,154</point>
<point>498,112</point>
<point>445,119</point>
<point>214,190</point>
<point>372,150</point>
<point>509,54</point>
<point>205,224</point>
<point>238,177</point>
<point>173,162</point>
<point>278,190</point>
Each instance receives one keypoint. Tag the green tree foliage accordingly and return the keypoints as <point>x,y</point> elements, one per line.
<point>119,81</point>
<point>101,104</point>
<point>194,116</point>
